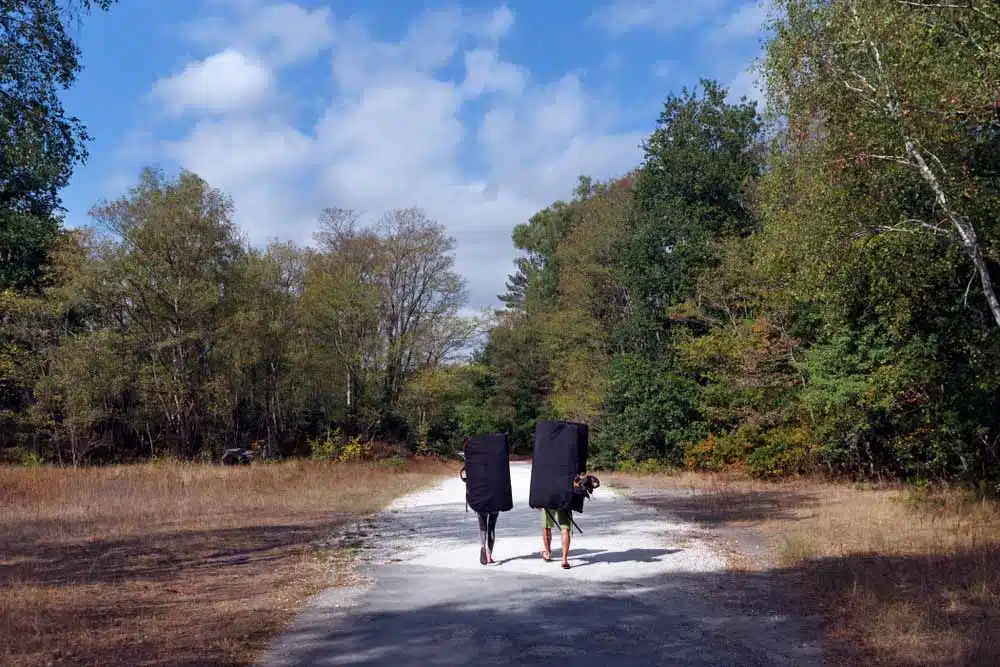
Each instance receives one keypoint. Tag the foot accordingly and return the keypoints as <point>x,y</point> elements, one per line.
<point>546,556</point>
<point>482,555</point>
<point>489,559</point>
<point>565,565</point>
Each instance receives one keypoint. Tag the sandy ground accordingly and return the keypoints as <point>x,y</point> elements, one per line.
<point>643,590</point>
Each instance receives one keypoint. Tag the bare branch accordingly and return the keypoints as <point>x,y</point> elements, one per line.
<point>892,158</point>
<point>970,6</point>
<point>965,299</point>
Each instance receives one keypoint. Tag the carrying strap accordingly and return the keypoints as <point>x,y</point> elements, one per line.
<point>461,475</point>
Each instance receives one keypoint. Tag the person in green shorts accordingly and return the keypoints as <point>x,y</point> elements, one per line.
<point>549,520</point>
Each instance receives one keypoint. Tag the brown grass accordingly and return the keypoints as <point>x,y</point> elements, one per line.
<point>172,564</point>
<point>902,578</point>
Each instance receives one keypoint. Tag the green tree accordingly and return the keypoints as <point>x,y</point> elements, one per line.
<point>167,281</point>
<point>40,145</point>
<point>906,93</point>
<point>692,189</point>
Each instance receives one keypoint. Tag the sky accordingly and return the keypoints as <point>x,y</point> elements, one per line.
<point>479,112</point>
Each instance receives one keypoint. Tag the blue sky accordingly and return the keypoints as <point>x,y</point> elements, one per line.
<point>479,112</point>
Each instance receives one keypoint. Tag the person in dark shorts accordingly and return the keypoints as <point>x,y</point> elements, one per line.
<point>487,536</point>
<point>549,520</point>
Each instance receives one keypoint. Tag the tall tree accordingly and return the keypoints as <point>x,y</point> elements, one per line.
<point>909,93</point>
<point>421,294</point>
<point>692,190</point>
<point>169,282</point>
<point>40,145</point>
<point>340,304</point>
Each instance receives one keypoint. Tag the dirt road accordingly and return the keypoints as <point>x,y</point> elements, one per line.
<point>643,590</point>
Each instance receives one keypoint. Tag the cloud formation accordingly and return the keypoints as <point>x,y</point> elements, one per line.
<point>622,16</point>
<point>226,81</point>
<point>439,118</point>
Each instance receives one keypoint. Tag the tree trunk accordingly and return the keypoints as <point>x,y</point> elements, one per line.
<point>964,228</point>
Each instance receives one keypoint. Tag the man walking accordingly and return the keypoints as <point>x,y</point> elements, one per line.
<point>564,518</point>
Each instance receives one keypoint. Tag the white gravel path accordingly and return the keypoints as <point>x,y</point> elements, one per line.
<point>643,590</point>
<point>613,530</point>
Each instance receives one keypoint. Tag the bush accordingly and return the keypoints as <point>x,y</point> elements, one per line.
<point>649,414</point>
<point>786,450</point>
<point>720,451</point>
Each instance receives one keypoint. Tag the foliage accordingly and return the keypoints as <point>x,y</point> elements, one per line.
<point>40,145</point>
<point>816,297</point>
<point>650,414</point>
<point>808,289</point>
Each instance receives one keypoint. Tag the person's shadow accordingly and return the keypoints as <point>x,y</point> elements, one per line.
<point>592,556</point>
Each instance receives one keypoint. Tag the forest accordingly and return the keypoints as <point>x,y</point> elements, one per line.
<point>804,286</point>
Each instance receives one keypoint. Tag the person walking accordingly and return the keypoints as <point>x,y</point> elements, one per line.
<point>550,519</point>
<point>486,474</point>
<point>487,536</point>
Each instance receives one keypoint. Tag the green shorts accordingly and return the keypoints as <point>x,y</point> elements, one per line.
<point>562,516</point>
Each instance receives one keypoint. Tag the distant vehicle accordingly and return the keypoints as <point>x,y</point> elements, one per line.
<point>237,456</point>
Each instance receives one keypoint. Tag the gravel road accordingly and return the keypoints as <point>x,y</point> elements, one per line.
<point>642,590</point>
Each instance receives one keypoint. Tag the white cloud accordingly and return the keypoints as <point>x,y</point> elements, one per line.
<point>486,73</point>
<point>747,83</point>
<point>281,33</point>
<point>479,146</point>
<point>746,22</point>
<point>623,16</point>
<point>232,153</point>
<point>226,81</point>
<point>498,24</point>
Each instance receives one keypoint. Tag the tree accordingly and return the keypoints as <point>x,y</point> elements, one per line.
<point>40,145</point>
<point>691,191</point>
<point>421,296</point>
<point>167,281</point>
<point>908,90</point>
<point>340,304</point>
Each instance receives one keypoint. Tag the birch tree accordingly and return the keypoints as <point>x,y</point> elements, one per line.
<point>910,88</point>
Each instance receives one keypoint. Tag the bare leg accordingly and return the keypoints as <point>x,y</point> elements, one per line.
<point>546,543</point>
<point>565,545</point>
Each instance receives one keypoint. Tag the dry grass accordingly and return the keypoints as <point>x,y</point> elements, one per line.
<point>172,564</point>
<point>903,578</point>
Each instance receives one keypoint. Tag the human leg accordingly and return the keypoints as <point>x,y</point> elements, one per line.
<point>491,535</point>
<point>483,537</point>
<point>564,525</point>
<point>547,524</point>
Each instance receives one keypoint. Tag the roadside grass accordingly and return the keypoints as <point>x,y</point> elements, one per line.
<point>174,564</point>
<point>902,577</point>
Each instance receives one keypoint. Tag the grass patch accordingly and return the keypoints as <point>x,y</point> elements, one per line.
<point>903,577</point>
<point>170,563</point>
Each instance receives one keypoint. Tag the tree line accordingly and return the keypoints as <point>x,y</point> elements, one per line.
<point>160,331</point>
<point>804,287</point>
<point>809,287</point>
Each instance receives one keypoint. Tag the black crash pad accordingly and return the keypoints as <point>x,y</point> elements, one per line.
<point>560,453</point>
<point>487,473</point>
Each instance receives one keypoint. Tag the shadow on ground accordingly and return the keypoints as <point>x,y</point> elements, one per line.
<point>918,610</point>
<point>682,619</point>
<point>711,509</point>
<point>178,598</point>
<point>30,558</point>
